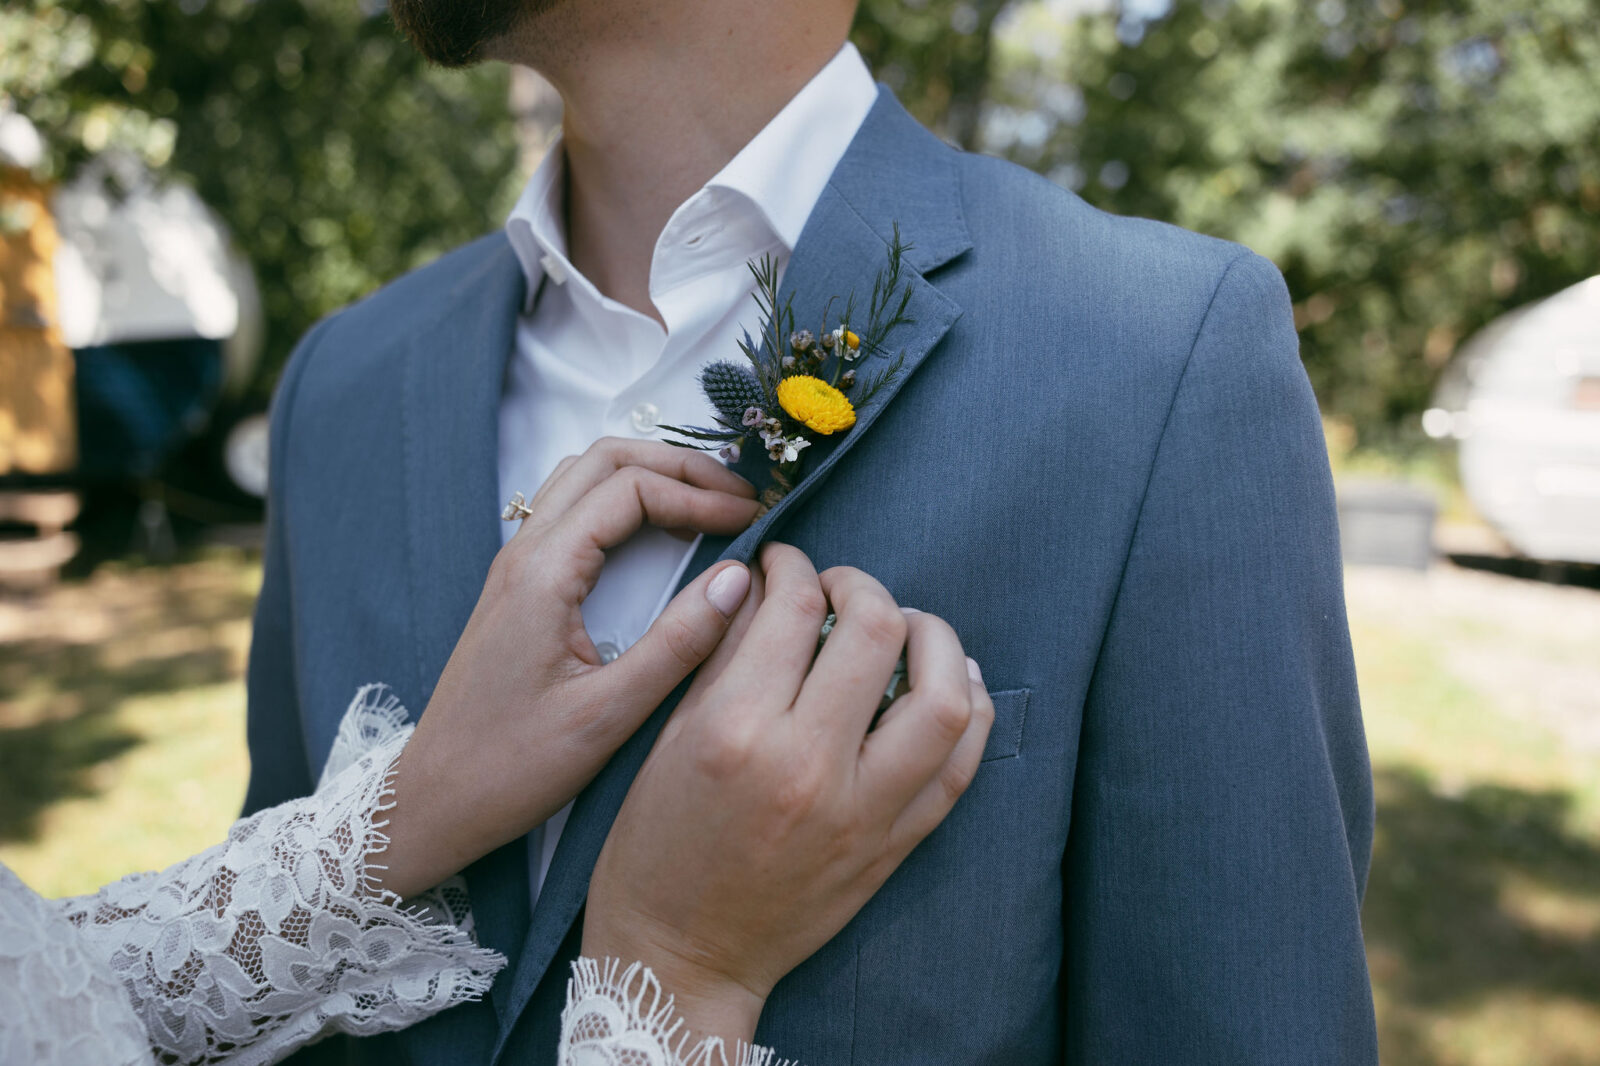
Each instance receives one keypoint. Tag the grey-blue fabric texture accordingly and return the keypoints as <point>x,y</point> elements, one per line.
<point>1103,464</point>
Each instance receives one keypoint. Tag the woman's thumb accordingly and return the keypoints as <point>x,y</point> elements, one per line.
<point>686,633</point>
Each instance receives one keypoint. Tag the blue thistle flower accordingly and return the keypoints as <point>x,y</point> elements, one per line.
<point>732,389</point>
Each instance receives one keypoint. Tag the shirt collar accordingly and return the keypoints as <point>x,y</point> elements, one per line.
<point>781,171</point>
<point>534,226</point>
<point>785,167</point>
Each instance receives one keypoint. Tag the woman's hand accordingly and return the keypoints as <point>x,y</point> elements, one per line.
<point>525,713</point>
<point>767,813</point>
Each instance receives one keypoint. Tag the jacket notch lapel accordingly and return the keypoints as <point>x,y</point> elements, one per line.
<point>844,255</point>
<point>453,379</point>
<point>844,245</point>
<point>454,375</point>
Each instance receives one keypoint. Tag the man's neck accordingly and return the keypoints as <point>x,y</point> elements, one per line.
<point>658,97</point>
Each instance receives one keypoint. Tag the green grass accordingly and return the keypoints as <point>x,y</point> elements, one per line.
<point>1482,913</point>
<point>122,748</point>
<point>122,720</point>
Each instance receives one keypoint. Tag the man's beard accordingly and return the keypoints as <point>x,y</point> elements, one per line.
<point>454,33</point>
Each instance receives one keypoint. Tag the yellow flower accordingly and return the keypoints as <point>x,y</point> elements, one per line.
<point>815,404</point>
<point>852,340</point>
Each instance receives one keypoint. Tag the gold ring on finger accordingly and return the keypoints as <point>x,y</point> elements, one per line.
<point>517,509</point>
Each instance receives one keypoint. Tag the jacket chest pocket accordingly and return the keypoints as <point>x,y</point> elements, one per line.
<point>1010,717</point>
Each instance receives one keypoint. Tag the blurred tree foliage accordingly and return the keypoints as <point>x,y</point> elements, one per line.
<point>1415,167</point>
<point>337,158</point>
<point>935,54</point>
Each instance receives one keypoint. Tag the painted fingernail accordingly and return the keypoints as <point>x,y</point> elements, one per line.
<point>973,672</point>
<point>728,589</point>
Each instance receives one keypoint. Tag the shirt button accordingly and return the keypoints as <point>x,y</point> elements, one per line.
<point>608,651</point>
<point>644,417</point>
<point>553,269</point>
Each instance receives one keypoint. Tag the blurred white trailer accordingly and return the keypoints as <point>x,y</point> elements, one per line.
<point>1522,400</point>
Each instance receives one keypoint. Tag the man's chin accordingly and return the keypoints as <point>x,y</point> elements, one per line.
<point>455,34</point>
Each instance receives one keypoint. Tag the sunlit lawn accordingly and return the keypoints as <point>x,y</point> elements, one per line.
<point>122,719</point>
<point>1483,910</point>
<point>121,748</point>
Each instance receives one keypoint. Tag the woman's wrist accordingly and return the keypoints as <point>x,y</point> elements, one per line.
<point>427,842</point>
<point>709,1003</point>
<point>711,1008</point>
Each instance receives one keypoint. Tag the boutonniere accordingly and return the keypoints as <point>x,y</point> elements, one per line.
<point>796,386</point>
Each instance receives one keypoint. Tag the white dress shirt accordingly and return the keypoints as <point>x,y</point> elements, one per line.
<point>587,367</point>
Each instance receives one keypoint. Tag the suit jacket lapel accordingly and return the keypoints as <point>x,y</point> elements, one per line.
<point>839,253</point>
<point>454,375</point>
<point>842,248</point>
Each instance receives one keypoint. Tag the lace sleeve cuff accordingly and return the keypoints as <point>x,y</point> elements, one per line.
<point>278,936</point>
<point>620,1015</point>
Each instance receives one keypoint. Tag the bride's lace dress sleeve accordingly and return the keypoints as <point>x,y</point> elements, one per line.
<point>278,936</point>
<point>619,1017</point>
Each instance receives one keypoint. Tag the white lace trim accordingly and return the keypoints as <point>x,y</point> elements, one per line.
<point>618,1017</point>
<point>62,1006</point>
<point>278,935</point>
<point>374,719</point>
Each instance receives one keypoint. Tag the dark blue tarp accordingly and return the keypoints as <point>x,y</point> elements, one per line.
<point>139,402</point>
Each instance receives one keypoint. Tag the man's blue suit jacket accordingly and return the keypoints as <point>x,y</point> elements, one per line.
<point>1102,463</point>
